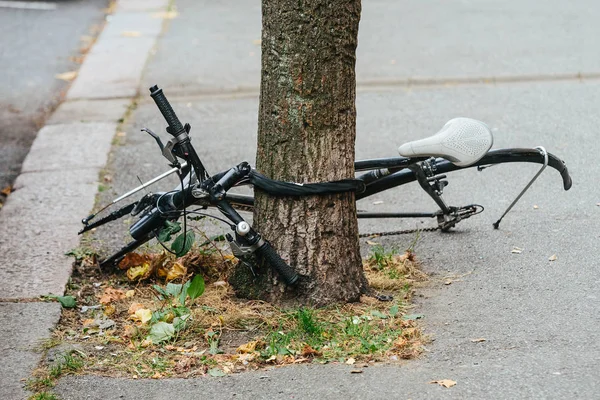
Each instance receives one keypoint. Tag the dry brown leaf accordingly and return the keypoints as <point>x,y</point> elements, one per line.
<point>6,191</point>
<point>134,260</point>
<point>447,383</point>
<point>553,257</point>
<point>448,282</point>
<point>372,243</point>
<point>130,331</point>
<point>350,361</point>
<point>88,322</point>
<point>66,76</point>
<point>478,340</point>
<point>130,293</point>
<point>134,307</point>
<point>356,371</point>
<point>109,310</point>
<point>111,294</point>
<point>308,351</point>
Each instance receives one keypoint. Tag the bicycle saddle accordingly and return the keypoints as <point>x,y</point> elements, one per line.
<point>462,141</point>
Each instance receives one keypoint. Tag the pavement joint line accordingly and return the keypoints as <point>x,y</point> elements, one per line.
<point>245,92</point>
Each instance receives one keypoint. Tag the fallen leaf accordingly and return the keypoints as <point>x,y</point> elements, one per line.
<point>247,347</point>
<point>134,259</point>
<point>66,76</point>
<point>144,315</point>
<point>88,322</point>
<point>308,351</point>
<point>371,243</point>
<point>350,361</point>
<point>516,250</point>
<point>166,14</point>
<point>447,383</point>
<point>130,331</point>
<point>478,340</point>
<point>130,293</point>
<point>111,294</point>
<point>220,283</point>
<point>553,257</point>
<point>156,375</point>
<point>139,273</point>
<point>109,310</point>
<point>134,307</point>
<point>131,34</point>
<point>377,202</point>
<point>6,191</point>
<point>356,371</point>
<point>448,282</point>
<point>535,207</point>
<point>176,271</point>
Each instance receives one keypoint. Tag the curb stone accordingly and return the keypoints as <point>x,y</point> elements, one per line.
<point>58,183</point>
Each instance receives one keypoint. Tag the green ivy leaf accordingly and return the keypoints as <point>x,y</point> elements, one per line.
<point>394,310</point>
<point>178,244</point>
<point>160,290</point>
<point>168,229</point>
<point>67,301</point>
<point>196,287</point>
<point>378,314</point>
<point>411,317</point>
<point>161,331</point>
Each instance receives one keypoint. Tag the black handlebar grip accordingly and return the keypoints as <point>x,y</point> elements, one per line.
<point>268,253</point>
<point>166,110</point>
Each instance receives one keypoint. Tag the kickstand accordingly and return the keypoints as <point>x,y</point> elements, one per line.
<point>545,154</point>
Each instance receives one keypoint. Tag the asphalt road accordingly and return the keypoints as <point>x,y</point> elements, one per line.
<point>36,44</point>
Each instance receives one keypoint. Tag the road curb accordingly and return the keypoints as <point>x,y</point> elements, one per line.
<point>59,179</point>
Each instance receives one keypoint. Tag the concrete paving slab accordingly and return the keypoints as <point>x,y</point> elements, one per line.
<point>215,46</point>
<point>131,24</point>
<point>142,5</point>
<point>52,197</point>
<point>58,147</point>
<point>22,327</point>
<point>90,111</point>
<point>103,78</point>
<point>33,261</point>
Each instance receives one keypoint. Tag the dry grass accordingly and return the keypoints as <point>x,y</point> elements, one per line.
<point>225,334</point>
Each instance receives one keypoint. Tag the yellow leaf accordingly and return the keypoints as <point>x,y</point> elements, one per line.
<point>447,383</point>
<point>144,315</point>
<point>109,310</point>
<point>166,14</point>
<point>350,361</point>
<point>176,271</point>
<point>139,273</point>
<point>247,347</point>
<point>131,34</point>
<point>134,307</point>
<point>66,76</point>
<point>130,293</point>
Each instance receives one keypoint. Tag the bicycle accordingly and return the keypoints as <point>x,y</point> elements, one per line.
<point>462,143</point>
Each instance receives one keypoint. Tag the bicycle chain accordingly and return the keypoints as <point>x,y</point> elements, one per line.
<point>400,232</point>
<point>470,210</point>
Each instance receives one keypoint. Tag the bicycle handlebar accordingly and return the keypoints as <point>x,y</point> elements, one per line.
<point>270,256</point>
<point>175,126</point>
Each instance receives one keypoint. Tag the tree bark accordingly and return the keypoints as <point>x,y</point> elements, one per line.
<point>306,133</point>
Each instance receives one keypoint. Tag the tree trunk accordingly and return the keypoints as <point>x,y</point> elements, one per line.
<point>306,133</point>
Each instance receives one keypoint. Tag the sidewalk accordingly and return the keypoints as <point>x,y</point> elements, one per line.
<point>515,66</point>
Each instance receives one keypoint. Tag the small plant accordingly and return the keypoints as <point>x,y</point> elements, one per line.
<point>381,257</point>
<point>43,396</point>
<point>167,322</point>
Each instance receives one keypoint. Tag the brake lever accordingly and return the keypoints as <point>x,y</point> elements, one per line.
<point>167,151</point>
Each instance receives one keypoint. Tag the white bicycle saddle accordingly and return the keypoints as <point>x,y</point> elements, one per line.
<point>462,141</point>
